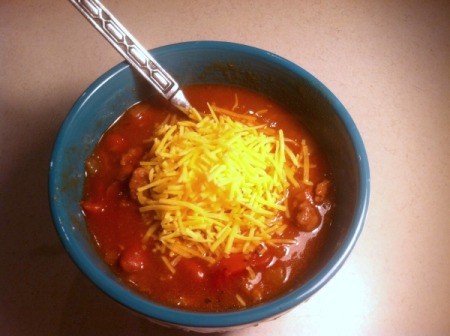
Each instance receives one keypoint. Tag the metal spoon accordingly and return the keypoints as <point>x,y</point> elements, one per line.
<point>133,52</point>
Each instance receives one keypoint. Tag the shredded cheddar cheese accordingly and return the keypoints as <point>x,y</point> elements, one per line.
<point>218,185</point>
<point>251,272</point>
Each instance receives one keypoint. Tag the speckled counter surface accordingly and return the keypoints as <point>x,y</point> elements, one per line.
<point>387,61</point>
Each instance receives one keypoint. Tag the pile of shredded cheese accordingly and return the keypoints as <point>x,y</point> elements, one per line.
<point>218,186</point>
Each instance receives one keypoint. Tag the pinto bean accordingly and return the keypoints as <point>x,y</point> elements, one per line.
<point>132,156</point>
<point>139,178</point>
<point>308,217</point>
<point>132,260</point>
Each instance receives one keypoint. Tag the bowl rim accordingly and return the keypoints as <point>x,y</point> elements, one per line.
<point>251,315</point>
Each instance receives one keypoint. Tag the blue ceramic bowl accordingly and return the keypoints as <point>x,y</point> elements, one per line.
<point>211,62</point>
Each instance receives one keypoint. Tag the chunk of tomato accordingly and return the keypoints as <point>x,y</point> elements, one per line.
<point>237,263</point>
<point>234,264</point>
<point>192,268</point>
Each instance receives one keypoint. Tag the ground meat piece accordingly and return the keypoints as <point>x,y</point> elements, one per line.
<point>322,189</point>
<point>139,178</point>
<point>129,161</point>
<point>303,210</point>
<point>301,195</point>
<point>111,256</point>
<point>308,217</point>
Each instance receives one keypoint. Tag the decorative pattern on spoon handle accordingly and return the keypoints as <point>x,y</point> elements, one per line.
<point>127,46</point>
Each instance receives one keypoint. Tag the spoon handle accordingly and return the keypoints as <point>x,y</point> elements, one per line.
<point>121,39</point>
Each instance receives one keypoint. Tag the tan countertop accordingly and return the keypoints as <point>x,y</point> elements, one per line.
<point>387,61</point>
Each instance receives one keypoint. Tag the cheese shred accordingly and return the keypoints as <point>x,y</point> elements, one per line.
<point>241,300</point>
<point>218,184</point>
